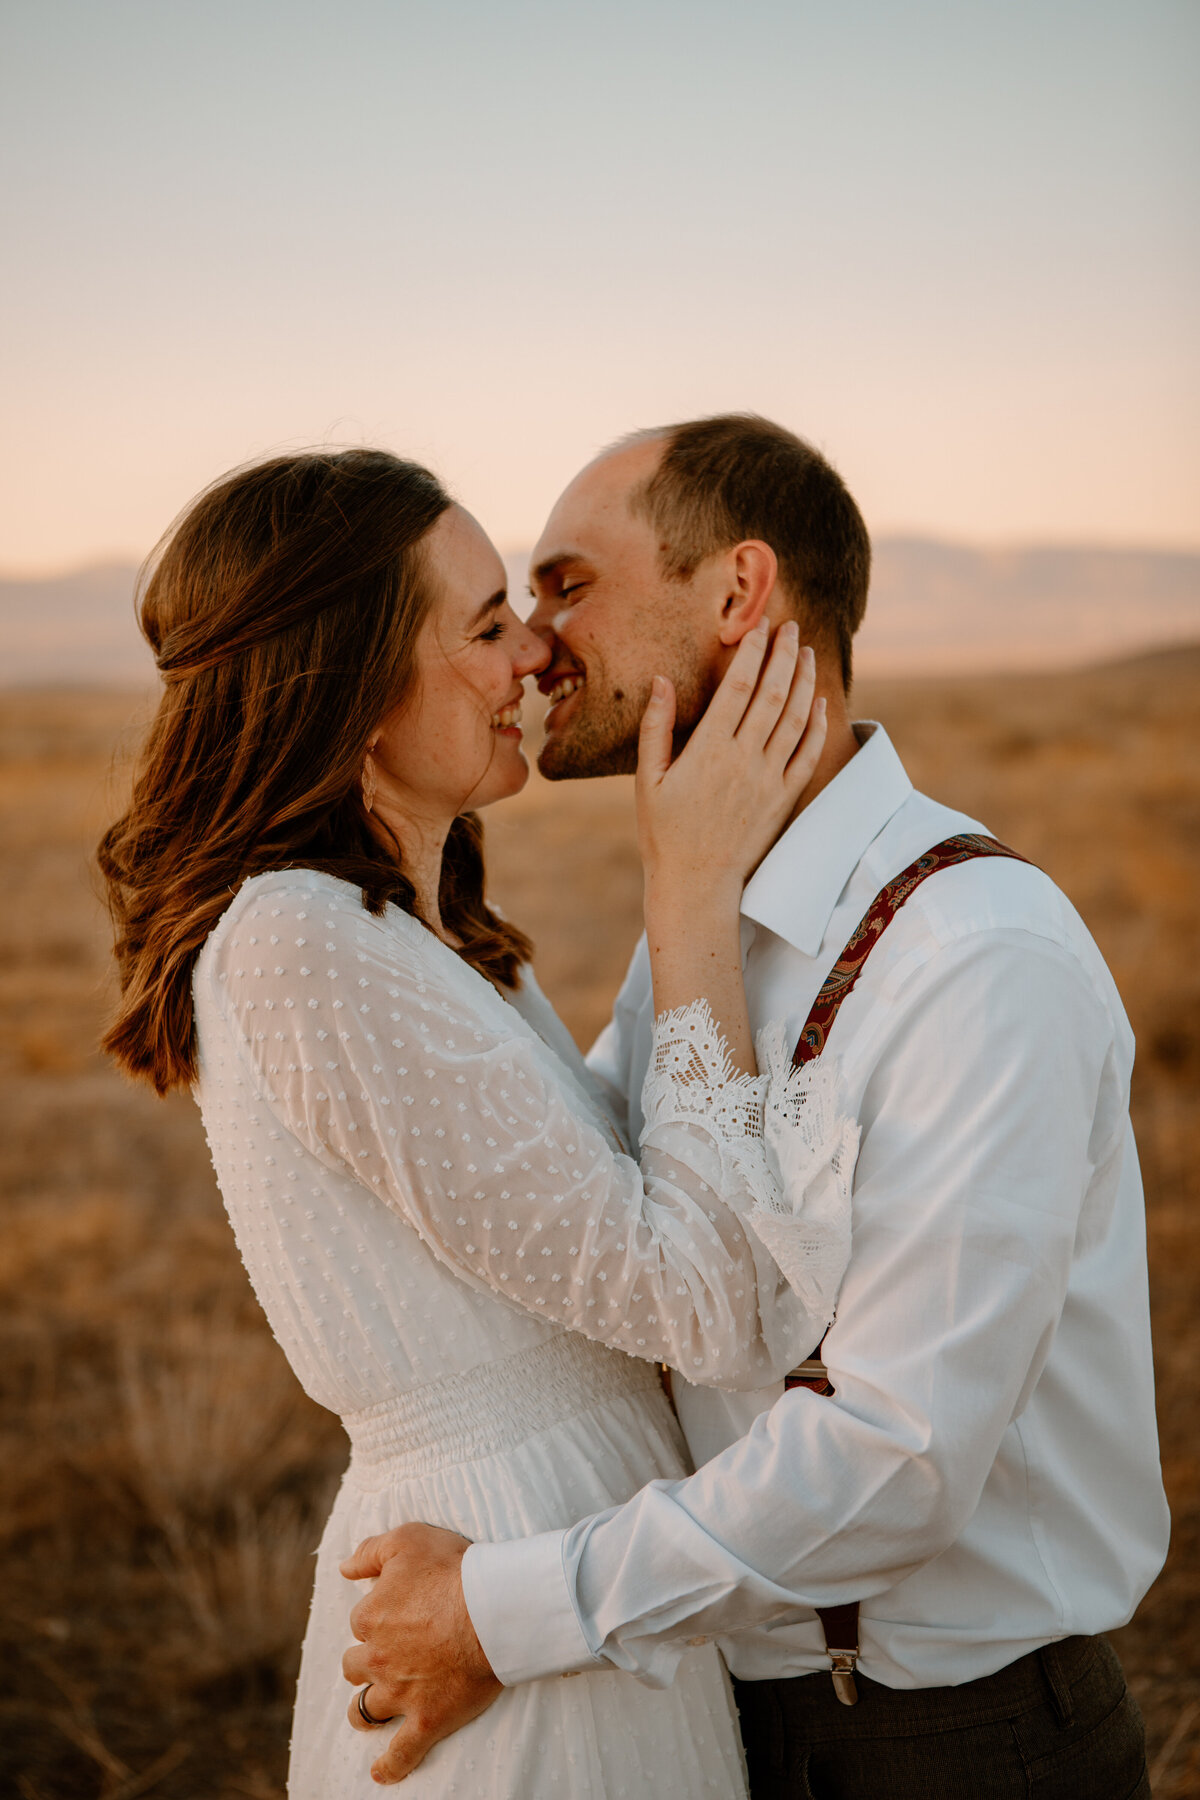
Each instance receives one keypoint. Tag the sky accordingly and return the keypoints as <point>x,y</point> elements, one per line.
<point>956,245</point>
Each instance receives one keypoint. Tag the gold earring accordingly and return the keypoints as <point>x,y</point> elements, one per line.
<point>369,781</point>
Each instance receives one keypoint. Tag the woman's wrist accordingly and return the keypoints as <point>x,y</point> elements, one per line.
<point>696,954</point>
<point>674,900</point>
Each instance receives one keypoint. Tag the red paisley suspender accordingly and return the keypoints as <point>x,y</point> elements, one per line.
<point>840,1623</point>
<point>846,970</point>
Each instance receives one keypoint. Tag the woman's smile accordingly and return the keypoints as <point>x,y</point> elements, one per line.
<point>507,722</point>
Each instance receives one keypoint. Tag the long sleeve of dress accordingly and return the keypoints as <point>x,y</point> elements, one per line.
<point>384,1055</point>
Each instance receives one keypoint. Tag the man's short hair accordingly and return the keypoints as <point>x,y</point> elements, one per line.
<point>739,476</point>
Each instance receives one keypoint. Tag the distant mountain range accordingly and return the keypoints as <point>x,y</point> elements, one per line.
<point>945,608</point>
<point>935,607</point>
<point>76,629</point>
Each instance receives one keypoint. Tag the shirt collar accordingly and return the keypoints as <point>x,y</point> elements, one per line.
<point>795,888</point>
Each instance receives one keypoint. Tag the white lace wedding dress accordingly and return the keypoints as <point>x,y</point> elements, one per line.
<point>454,1251</point>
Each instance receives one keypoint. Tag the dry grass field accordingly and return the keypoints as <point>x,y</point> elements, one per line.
<point>162,1476</point>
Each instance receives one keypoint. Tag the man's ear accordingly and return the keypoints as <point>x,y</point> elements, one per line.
<point>751,572</point>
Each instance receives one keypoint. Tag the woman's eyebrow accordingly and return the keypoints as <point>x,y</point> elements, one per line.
<point>497,599</point>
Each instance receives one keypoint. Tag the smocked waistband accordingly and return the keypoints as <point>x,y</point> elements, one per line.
<point>489,1409</point>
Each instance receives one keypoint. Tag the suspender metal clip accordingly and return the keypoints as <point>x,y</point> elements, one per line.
<point>840,1626</point>
<point>844,1663</point>
<point>811,1374</point>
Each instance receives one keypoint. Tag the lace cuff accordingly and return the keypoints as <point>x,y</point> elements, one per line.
<point>690,1079</point>
<point>812,1146</point>
<point>787,1151</point>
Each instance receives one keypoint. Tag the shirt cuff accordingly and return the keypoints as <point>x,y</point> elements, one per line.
<point>521,1607</point>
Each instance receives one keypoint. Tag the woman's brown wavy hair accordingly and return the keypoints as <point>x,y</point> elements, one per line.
<point>283,609</point>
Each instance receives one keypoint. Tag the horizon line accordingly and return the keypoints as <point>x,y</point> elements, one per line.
<point>988,546</point>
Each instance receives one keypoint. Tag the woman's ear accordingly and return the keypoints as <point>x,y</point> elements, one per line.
<point>752,570</point>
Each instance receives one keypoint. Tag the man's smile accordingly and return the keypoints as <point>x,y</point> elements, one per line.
<point>559,685</point>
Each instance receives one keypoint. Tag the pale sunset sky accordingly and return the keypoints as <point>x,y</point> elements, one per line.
<point>955,244</point>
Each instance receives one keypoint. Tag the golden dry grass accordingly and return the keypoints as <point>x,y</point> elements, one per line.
<point>162,1478</point>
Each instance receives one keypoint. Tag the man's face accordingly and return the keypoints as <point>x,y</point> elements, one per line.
<point>612,621</point>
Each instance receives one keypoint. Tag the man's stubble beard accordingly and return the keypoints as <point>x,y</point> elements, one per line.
<point>603,740</point>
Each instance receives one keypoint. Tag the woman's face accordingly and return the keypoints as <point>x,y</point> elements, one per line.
<point>456,743</point>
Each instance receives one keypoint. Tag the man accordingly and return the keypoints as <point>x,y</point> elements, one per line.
<point>983,1478</point>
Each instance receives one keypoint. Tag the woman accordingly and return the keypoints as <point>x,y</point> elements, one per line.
<point>440,1221</point>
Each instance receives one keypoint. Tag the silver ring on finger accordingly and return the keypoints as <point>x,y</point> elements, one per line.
<point>367,1717</point>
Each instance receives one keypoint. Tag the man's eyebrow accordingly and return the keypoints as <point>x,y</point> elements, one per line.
<point>496,600</point>
<point>550,565</point>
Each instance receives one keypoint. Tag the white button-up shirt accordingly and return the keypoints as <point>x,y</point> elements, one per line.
<point>985,1478</point>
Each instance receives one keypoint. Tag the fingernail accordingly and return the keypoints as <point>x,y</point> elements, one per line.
<point>761,629</point>
<point>789,629</point>
<point>820,707</point>
<point>658,688</point>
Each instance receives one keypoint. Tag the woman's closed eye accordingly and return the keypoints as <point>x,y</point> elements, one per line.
<point>493,632</point>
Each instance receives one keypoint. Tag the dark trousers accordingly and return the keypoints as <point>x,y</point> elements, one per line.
<point>1059,1724</point>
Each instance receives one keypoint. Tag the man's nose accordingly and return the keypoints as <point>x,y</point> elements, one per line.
<point>533,653</point>
<point>541,623</point>
<point>550,620</point>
